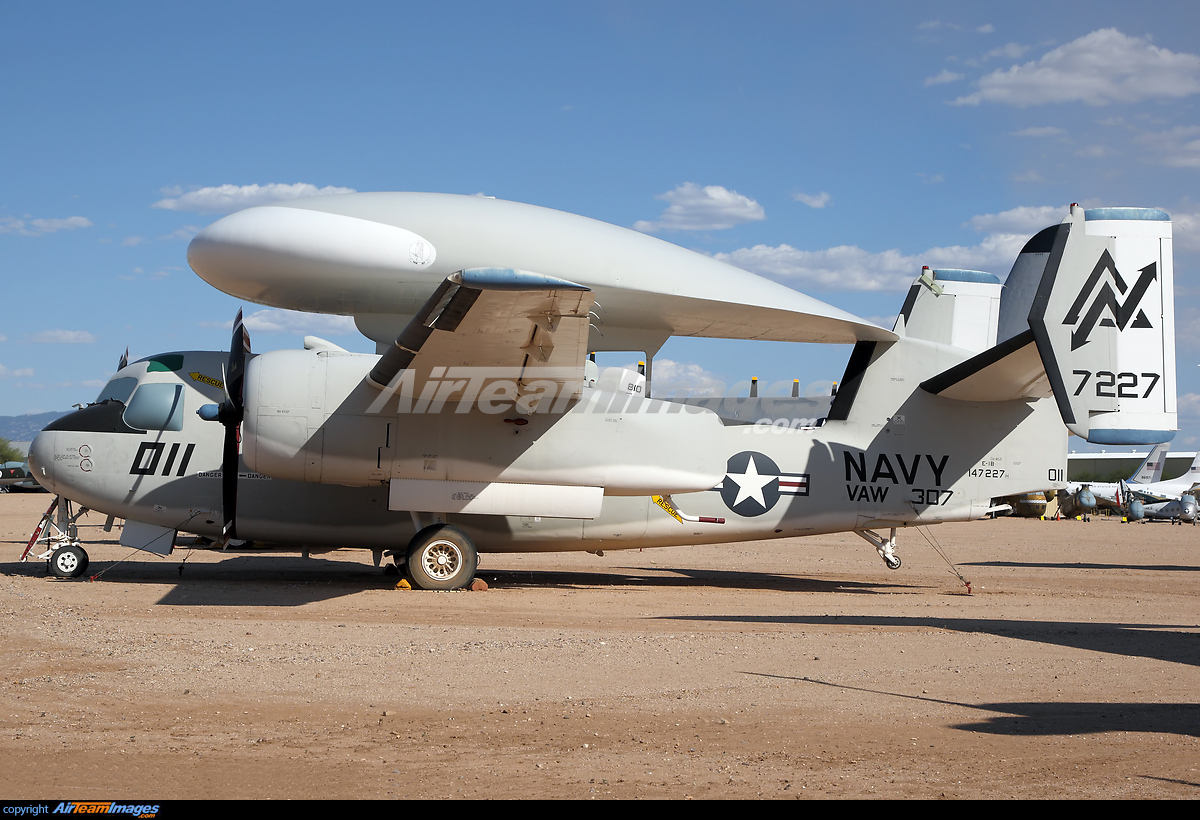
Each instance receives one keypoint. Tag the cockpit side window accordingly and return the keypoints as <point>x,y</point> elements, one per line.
<point>120,389</point>
<point>156,407</point>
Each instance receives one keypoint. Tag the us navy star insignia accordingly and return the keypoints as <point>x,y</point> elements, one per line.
<point>753,484</point>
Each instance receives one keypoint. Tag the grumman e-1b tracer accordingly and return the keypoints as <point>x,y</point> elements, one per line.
<point>480,425</point>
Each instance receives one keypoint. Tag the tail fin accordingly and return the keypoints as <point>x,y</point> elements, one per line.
<point>960,308</point>
<point>1095,296</point>
<point>1104,321</point>
<point>1150,471</point>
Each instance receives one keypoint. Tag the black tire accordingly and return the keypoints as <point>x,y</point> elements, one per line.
<point>441,557</point>
<point>68,562</point>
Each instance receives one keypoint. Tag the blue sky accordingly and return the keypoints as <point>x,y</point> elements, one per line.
<point>833,147</point>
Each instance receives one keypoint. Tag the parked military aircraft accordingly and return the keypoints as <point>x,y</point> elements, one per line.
<point>479,425</point>
<point>15,475</point>
<point>1173,500</point>
<point>1080,498</point>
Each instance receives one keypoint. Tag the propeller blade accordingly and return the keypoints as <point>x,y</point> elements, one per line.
<point>239,349</point>
<point>231,416</point>
<point>229,482</point>
<point>124,362</point>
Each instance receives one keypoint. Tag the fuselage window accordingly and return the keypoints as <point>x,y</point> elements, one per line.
<point>156,407</point>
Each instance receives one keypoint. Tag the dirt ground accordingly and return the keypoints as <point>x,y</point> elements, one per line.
<point>780,669</point>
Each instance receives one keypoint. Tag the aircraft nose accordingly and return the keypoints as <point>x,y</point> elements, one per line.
<point>41,459</point>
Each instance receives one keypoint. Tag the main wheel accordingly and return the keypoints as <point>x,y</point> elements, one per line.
<point>442,557</point>
<point>68,562</point>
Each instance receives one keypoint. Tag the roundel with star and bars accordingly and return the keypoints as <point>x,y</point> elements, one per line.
<point>753,484</point>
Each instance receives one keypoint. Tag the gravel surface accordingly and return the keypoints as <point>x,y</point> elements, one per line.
<point>783,669</point>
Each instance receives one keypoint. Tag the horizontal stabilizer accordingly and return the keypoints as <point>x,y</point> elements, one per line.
<point>1011,370</point>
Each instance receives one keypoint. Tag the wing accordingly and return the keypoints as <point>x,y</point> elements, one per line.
<point>486,325</point>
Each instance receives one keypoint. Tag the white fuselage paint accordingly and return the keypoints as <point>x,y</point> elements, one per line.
<point>902,458</point>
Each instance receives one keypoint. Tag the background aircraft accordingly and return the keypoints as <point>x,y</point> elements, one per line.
<point>15,475</point>
<point>479,425</point>
<point>1174,500</point>
<point>1082,497</point>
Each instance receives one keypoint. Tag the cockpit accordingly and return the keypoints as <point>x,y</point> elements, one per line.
<point>154,399</point>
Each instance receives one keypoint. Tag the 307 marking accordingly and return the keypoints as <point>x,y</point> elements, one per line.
<point>931,497</point>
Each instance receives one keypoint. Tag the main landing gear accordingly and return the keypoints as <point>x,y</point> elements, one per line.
<point>441,557</point>
<point>884,546</point>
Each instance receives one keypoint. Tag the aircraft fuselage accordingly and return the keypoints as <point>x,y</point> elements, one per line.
<point>904,458</point>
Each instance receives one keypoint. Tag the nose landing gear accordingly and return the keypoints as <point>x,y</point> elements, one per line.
<point>64,556</point>
<point>68,562</point>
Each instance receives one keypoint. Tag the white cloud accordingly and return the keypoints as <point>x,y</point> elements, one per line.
<point>1178,148</point>
<point>62,337</point>
<point>132,241</point>
<point>1040,131</point>
<point>39,227</point>
<point>1099,68</point>
<point>818,201</point>
<point>1186,231</point>
<point>6,373</point>
<point>1026,220</point>
<point>273,320</point>
<point>1188,405</point>
<point>679,379</point>
<point>1012,51</point>
<point>708,208</point>
<point>945,76</point>
<point>183,234</point>
<point>1029,176</point>
<point>986,28</point>
<point>850,268</point>
<point>223,199</point>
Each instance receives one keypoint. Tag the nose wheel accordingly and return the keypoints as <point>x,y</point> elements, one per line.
<point>70,561</point>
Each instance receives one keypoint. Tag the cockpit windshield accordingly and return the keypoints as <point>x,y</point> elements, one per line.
<point>120,389</point>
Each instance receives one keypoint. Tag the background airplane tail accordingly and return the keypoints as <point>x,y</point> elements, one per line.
<point>1150,471</point>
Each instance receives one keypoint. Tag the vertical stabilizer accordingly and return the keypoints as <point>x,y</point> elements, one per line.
<point>1103,318</point>
<point>953,307</point>
<point>1151,470</point>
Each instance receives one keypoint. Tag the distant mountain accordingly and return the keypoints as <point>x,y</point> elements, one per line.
<point>24,428</point>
